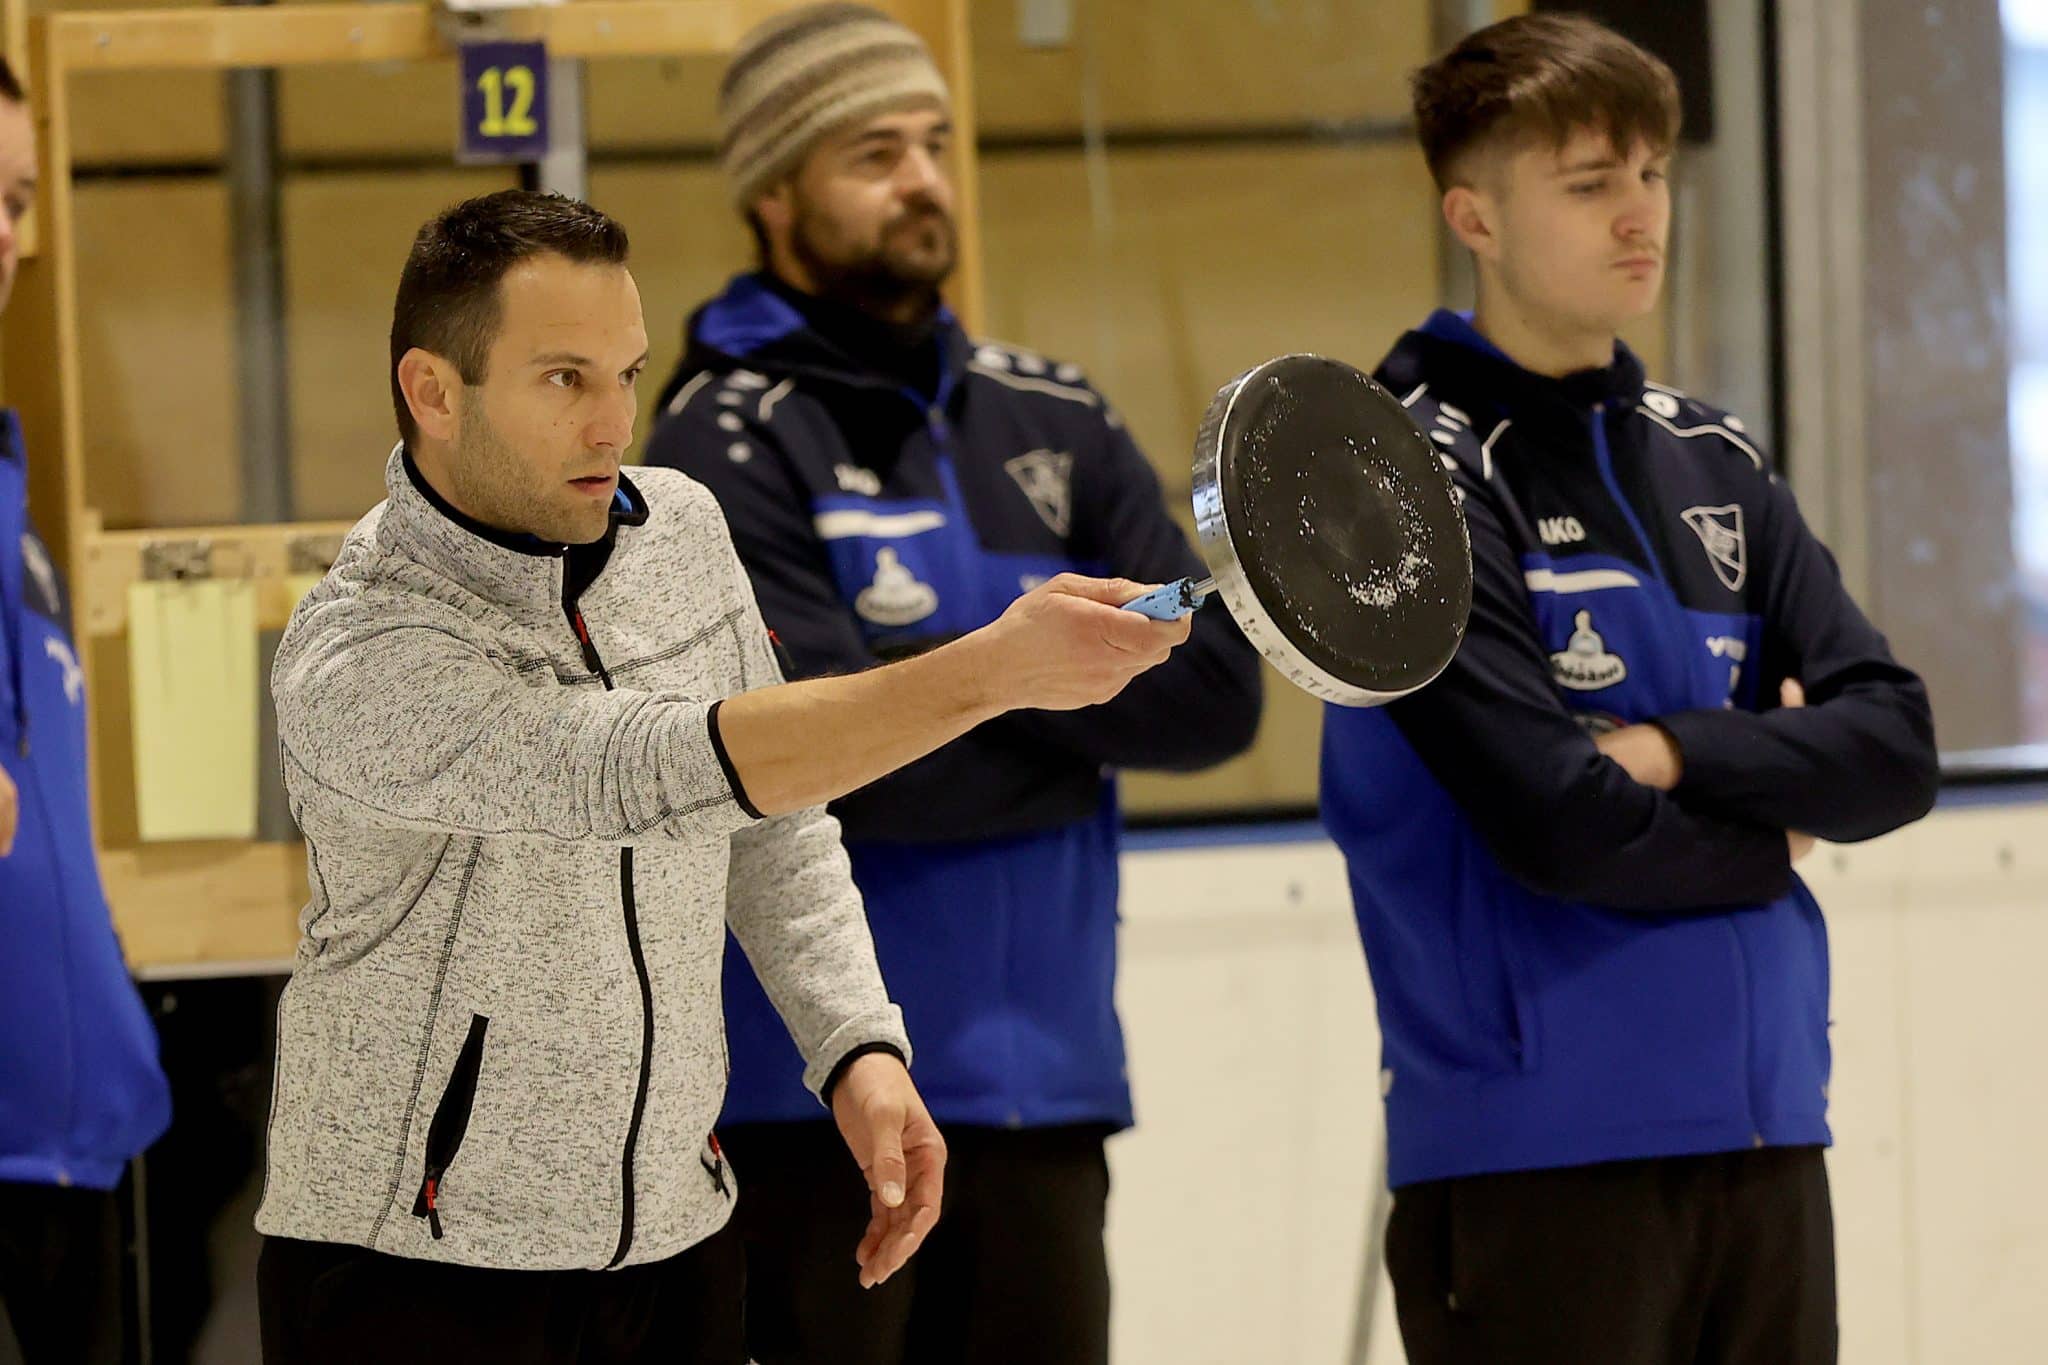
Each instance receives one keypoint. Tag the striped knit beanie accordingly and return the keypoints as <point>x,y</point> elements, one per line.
<point>802,74</point>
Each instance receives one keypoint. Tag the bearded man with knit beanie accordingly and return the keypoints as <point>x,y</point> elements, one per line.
<point>891,484</point>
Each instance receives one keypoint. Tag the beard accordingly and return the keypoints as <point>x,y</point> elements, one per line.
<point>495,480</point>
<point>898,278</point>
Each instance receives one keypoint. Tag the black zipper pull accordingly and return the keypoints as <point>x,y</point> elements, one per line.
<point>428,1205</point>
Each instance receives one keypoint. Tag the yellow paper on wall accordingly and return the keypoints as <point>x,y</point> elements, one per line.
<point>192,672</point>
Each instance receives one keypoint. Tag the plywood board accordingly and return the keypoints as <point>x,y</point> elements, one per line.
<point>157,360</point>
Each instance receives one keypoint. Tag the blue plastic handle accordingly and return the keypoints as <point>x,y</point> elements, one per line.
<point>1173,601</point>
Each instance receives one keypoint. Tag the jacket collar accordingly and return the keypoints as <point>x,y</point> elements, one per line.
<point>517,571</point>
<point>754,325</point>
<point>1463,367</point>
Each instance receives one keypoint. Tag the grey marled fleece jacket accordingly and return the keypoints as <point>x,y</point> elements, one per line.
<point>502,1044</point>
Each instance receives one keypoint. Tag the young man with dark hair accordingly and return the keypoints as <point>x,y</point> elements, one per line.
<point>1601,989</point>
<point>535,735</point>
<point>890,484</point>
<point>81,1092</point>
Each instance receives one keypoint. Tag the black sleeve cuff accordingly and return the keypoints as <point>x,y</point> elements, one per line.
<point>732,775</point>
<point>825,1091</point>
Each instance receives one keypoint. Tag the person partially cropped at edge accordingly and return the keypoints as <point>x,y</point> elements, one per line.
<point>81,1089</point>
<point>1602,990</point>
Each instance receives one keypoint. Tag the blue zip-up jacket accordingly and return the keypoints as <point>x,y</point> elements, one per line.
<point>80,1088</point>
<point>877,521</point>
<point>1571,967</point>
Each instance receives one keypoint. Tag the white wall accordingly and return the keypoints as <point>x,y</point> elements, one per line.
<point>1238,1218</point>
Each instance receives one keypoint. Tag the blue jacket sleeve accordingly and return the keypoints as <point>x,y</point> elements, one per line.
<point>1202,705</point>
<point>1563,819</point>
<point>993,780</point>
<point>1858,760</point>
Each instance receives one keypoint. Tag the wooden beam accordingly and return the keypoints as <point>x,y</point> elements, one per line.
<point>110,560</point>
<point>179,904</point>
<point>300,35</point>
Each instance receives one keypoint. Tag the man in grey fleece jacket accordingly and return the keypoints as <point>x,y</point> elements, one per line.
<point>539,771</point>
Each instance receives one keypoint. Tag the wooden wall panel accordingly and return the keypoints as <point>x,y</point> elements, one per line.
<point>1201,262</point>
<point>644,102</point>
<point>142,116</point>
<point>1202,63</point>
<point>157,342</point>
<point>368,110</point>
<point>127,118</point>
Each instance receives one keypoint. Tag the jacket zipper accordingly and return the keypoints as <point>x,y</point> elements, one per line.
<point>1605,459</point>
<point>595,663</point>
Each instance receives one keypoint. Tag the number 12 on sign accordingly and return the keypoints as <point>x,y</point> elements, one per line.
<point>498,120</point>
<point>504,102</point>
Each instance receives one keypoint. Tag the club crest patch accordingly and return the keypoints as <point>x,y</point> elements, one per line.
<point>1046,476</point>
<point>1720,533</point>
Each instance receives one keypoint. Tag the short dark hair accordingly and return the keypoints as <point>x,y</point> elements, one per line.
<point>10,84</point>
<point>1540,76</point>
<point>448,293</point>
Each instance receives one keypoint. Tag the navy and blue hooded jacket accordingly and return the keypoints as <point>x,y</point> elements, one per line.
<point>878,518</point>
<point>80,1088</point>
<point>1572,967</point>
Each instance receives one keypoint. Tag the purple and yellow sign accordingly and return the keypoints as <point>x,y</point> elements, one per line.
<point>504,102</point>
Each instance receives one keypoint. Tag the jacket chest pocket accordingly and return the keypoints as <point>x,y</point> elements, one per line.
<point>709,661</point>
